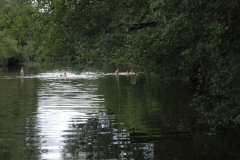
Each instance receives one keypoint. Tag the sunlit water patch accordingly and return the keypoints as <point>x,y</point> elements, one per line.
<point>63,105</point>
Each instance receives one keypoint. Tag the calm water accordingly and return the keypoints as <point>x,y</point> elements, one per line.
<point>95,115</point>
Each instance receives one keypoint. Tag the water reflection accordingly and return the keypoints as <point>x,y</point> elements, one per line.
<point>63,104</point>
<point>73,121</point>
<point>96,115</point>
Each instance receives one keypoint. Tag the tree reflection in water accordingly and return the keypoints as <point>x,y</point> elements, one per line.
<point>98,139</point>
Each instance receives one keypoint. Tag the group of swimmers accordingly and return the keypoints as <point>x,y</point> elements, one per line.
<point>127,73</point>
<point>22,73</point>
<point>65,74</point>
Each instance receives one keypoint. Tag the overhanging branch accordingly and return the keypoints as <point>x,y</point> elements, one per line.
<point>142,25</point>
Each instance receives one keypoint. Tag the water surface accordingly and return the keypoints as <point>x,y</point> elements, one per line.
<point>94,114</point>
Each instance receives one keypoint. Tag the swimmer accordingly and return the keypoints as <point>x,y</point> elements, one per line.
<point>22,71</point>
<point>64,74</point>
<point>132,72</point>
<point>117,71</point>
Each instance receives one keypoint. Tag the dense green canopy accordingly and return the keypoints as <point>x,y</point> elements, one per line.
<point>15,21</point>
<point>196,40</point>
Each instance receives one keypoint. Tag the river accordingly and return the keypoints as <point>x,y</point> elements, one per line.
<point>94,114</point>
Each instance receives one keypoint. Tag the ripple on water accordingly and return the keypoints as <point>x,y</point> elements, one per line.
<point>63,106</point>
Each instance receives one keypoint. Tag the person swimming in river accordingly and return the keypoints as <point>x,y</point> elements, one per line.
<point>22,72</point>
<point>131,72</point>
<point>64,74</point>
<point>117,71</point>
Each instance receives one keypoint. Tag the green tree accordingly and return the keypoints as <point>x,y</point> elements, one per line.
<point>15,19</point>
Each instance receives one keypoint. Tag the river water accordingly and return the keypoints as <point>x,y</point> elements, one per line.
<point>94,114</point>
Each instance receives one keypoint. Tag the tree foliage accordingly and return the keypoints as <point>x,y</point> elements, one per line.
<point>15,20</point>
